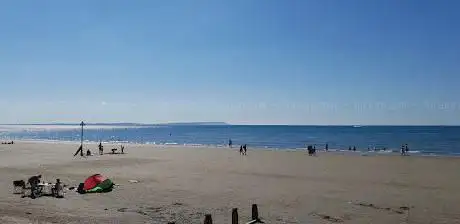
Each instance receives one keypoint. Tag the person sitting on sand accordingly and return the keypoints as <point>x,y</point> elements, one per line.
<point>88,152</point>
<point>34,181</point>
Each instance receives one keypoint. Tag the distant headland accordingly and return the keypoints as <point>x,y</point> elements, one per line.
<point>131,124</point>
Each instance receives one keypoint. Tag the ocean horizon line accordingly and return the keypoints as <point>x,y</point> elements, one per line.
<point>228,124</point>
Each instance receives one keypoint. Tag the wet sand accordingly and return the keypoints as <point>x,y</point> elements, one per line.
<point>183,183</point>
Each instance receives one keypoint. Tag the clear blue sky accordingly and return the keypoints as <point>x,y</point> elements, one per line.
<point>239,61</point>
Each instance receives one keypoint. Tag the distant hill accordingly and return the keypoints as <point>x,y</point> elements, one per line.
<point>132,124</point>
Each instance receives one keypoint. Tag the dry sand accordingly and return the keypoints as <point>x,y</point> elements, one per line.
<point>182,184</point>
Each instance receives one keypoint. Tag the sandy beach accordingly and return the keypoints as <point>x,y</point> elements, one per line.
<point>182,184</point>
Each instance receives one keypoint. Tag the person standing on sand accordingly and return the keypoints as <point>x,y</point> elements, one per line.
<point>354,148</point>
<point>101,148</point>
<point>403,150</point>
<point>230,143</point>
<point>406,148</point>
<point>327,147</point>
<point>241,150</point>
<point>245,150</point>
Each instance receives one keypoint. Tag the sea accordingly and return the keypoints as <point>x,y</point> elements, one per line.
<point>423,140</point>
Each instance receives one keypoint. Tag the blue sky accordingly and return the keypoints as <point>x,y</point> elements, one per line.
<point>239,61</point>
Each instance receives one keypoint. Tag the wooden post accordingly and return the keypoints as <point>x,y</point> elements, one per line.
<point>255,212</point>
<point>207,219</point>
<point>82,124</point>
<point>81,136</point>
<point>235,216</point>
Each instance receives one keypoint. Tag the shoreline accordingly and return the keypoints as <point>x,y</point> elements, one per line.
<point>224,147</point>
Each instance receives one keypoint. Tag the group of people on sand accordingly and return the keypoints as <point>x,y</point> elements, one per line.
<point>114,150</point>
<point>8,143</point>
<point>243,148</point>
<point>404,149</point>
<point>36,188</point>
<point>311,150</point>
<point>101,150</point>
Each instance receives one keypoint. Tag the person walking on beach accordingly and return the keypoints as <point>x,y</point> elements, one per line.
<point>406,148</point>
<point>245,149</point>
<point>230,143</point>
<point>403,150</point>
<point>101,148</point>
<point>327,147</point>
<point>241,150</point>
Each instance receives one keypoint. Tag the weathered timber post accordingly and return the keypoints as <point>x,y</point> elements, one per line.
<point>235,216</point>
<point>207,219</point>
<point>255,212</point>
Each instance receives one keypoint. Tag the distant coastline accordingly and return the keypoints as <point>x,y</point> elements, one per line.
<point>123,124</point>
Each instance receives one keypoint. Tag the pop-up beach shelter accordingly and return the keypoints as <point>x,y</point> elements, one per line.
<point>97,183</point>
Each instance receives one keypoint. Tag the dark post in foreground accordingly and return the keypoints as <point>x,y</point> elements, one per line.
<point>235,216</point>
<point>208,219</point>
<point>255,212</point>
<point>255,215</point>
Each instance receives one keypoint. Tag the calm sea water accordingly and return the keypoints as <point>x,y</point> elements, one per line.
<point>421,139</point>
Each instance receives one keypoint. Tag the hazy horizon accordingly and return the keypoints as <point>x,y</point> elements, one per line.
<point>218,124</point>
<point>357,62</point>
